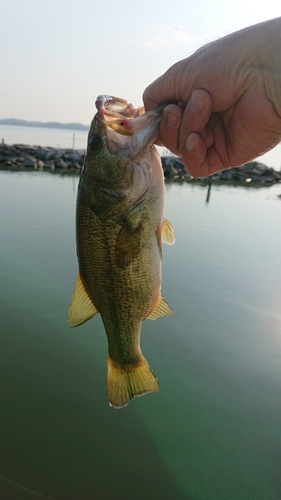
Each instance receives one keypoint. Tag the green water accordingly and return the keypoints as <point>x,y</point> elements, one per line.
<point>214,430</point>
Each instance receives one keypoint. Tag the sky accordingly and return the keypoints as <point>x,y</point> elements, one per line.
<point>57,56</point>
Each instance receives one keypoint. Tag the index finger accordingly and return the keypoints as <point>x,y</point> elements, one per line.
<point>162,90</point>
<point>152,96</point>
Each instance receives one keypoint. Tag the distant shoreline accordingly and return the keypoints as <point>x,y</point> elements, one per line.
<point>58,125</point>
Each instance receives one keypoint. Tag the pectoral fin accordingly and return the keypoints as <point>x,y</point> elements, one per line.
<point>167,233</point>
<point>162,308</point>
<point>128,241</point>
<point>81,307</point>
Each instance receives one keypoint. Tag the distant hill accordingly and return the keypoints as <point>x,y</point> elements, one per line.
<point>25,123</point>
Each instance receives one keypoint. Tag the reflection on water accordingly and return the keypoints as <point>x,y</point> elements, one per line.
<point>213,431</point>
<point>208,193</point>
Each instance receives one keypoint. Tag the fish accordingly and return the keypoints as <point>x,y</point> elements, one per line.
<point>120,228</point>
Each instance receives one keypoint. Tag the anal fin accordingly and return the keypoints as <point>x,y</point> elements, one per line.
<point>81,307</point>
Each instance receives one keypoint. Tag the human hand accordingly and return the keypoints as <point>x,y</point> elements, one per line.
<point>229,109</point>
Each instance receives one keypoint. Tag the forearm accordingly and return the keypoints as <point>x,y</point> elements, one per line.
<point>252,52</point>
<point>268,40</point>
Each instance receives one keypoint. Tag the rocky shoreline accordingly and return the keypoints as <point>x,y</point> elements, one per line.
<point>22,157</point>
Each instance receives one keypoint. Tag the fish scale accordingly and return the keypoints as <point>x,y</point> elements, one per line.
<point>117,293</point>
<point>119,231</point>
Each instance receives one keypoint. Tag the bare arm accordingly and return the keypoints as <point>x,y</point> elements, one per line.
<point>229,95</point>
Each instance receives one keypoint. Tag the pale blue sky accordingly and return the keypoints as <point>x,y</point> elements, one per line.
<point>58,55</point>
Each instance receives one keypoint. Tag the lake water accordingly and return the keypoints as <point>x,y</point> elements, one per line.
<point>213,431</point>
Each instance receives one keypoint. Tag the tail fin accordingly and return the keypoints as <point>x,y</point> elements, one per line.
<point>125,382</point>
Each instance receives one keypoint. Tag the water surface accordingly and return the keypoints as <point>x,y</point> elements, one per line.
<point>213,431</point>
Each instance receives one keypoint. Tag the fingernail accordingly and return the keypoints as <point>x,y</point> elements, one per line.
<point>170,119</point>
<point>196,103</point>
<point>189,144</point>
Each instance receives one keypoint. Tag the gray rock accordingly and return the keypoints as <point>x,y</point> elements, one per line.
<point>71,156</point>
<point>59,154</point>
<point>257,171</point>
<point>11,159</point>
<point>173,168</point>
<point>216,177</point>
<point>50,155</point>
<point>276,175</point>
<point>28,162</point>
<point>60,163</point>
<point>20,159</point>
<point>76,166</point>
<point>41,154</point>
<point>225,175</point>
<point>267,180</point>
<point>259,166</point>
<point>49,164</point>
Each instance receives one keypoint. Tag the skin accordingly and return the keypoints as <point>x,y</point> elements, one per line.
<point>120,228</point>
<point>229,100</point>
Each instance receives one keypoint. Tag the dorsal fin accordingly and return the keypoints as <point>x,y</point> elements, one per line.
<point>167,232</point>
<point>162,308</point>
<point>81,307</point>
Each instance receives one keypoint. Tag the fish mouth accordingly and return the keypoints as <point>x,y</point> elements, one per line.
<point>115,106</point>
<point>126,127</point>
<point>117,113</point>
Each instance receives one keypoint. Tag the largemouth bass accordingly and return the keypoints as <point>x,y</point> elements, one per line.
<point>119,229</point>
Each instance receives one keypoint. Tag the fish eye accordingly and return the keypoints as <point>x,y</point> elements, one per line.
<point>94,143</point>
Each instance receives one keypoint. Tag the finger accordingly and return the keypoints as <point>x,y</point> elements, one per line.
<point>195,157</point>
<point>165,88</point>
<point>170,126</point>
<point>206,152</point>
<point>155,94</point>
<point>195,136</point>
<point>211,162</point>
<point>196,116</point>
